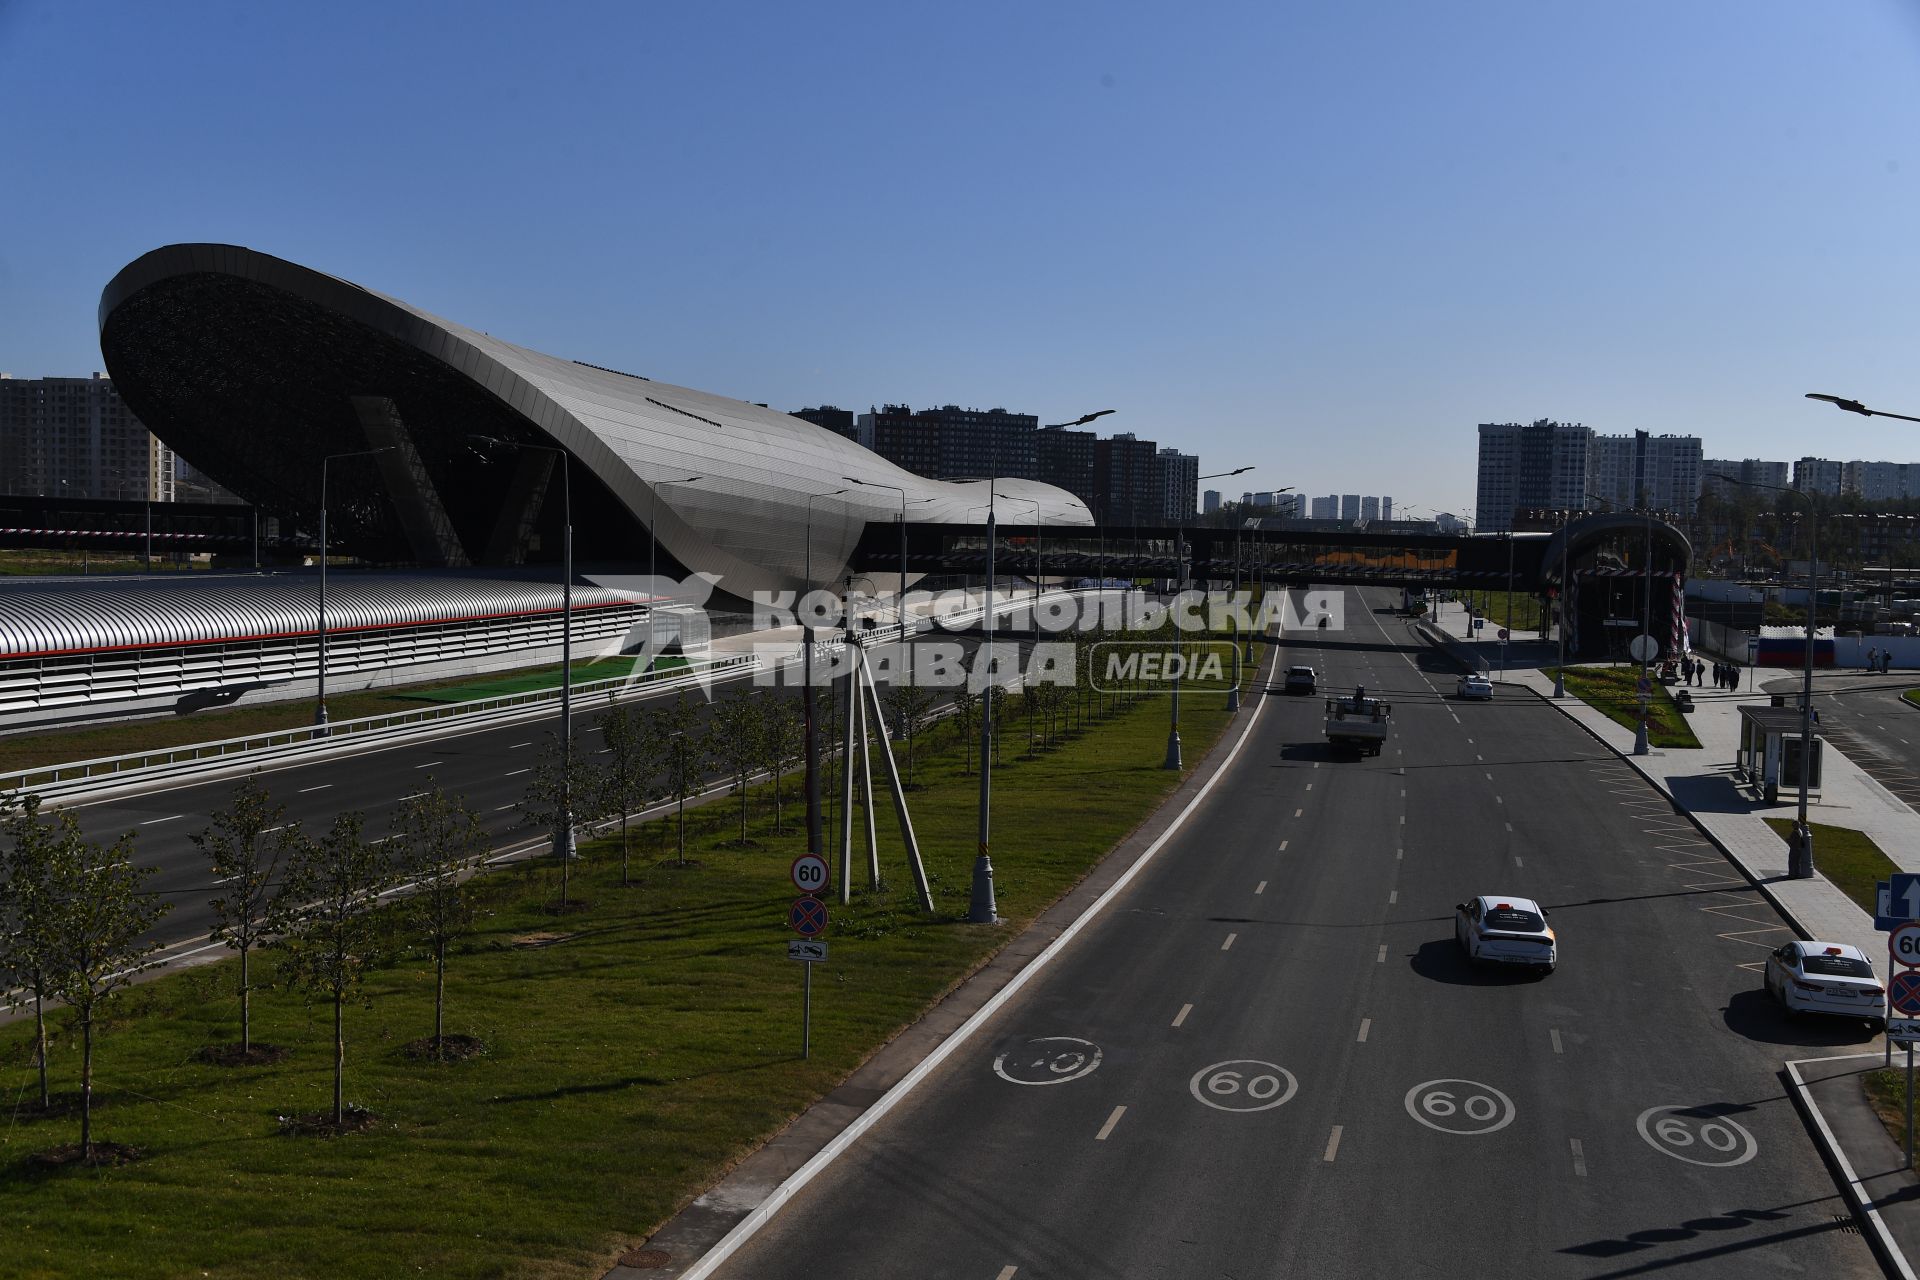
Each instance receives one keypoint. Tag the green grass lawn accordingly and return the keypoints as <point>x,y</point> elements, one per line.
<point>1847,857</point>
<point>58,746</point>
<point>1887,1094</point>
<point>632,1058</point>
<point>1613,691</point>
<point>1913,696</point>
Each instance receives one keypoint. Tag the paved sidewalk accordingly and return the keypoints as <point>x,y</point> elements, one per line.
<point>1700,783</point>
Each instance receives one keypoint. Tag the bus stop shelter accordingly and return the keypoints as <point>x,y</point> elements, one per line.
<point>1769,755</point>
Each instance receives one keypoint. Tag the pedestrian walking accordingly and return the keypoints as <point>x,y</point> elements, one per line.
<point>1873,659</point>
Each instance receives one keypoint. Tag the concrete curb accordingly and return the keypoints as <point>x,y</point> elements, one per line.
<point>1197,789</point>
<point>1881,1238</point>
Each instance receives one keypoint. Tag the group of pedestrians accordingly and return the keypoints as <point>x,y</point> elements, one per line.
<point>1880,660</point>
<point>1725,675</point>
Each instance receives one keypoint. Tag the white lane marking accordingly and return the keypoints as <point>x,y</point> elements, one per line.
<point>1261,887</point>
<point>1181,1016</point>
<point>1399,854</point>
<point>1516,857</point>
<point>1228,944</point>
<point>1553,1034</point>
<point>1283,846</point>
<point>1498,800</point>
<point>1469,741</point>
<point>270,830</point>
<point>1478,756</point>
<point>1489,777</point>
<point>1456,719</point>
<point>415,796</point>
<point>1309,786</point>
<point>1393,896</point>
<point>156,821</point>
<point>1382,957</point>
<point>517,745</point>
<point>1333,1144</point>
<point>1856,1189</point>
<point>1006,1273</point>
<point>514,773</point>
<point>1579,1158</point>
<point>429,764</point>
<point>1403,793</point>
<point>226,880</point>
<point>1403,819</point>
<point>1316,764</point>
<point>1510,828</point>
<point>502,808</point>
<point>1365,1024</point>
<point>1298,812</point>
<point>322,787</point>
<point>1107,1128</point>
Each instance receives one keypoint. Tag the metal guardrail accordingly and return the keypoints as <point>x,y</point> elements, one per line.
<point>188,753</point>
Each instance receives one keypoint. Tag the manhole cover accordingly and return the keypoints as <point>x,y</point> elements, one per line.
<point>643,1259</point>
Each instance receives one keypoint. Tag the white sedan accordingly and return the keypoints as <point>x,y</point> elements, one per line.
<point>1826,977</point>
<point>1474,686</point>
<point>1506,930</point>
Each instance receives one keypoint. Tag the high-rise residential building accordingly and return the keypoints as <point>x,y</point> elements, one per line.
<point>1369,509</point>
<point>1881,481</point>
<point>1287,505</point>
<point>1179,484</point>
<point>1631,472</point>
<point>1750,477</point>
<point>1127,484</point>
<point>1818,475</point>
<point>839,421</point>
<point>75,437</point>
<point>1327,508</point>
<point>1263,500</point>
<point>1541,464</point>
<point>1349,506</point>
<point>1386,507</point>
<point>1210,502</point>
<point>951,442</point>
<point>1065,458</point>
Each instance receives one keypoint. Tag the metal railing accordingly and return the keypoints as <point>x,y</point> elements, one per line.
<point>306,735</point>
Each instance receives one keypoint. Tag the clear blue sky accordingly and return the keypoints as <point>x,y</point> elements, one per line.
<point>1326,240</point>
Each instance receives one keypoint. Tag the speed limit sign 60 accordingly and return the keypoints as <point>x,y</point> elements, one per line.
<point>1903,945</point>
<point>810,873</point>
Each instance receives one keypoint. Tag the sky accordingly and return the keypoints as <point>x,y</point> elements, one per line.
<point>1322,240</point>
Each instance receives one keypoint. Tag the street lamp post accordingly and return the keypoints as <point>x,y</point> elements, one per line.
<point>1173,759</point>
<point>563,845</point>
<point>1233,694</point>
<point>320,700</point>
<point>815,844</point>
<point>980,903</point>
<point>1566,541</point>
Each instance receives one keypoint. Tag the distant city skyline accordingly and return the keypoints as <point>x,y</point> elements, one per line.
<point>1285,306</point>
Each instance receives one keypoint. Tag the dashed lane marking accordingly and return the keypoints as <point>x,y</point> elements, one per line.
<point>429,764</point>
<point>1579,1158</point>
<point>1298,812</point>
<point>1261,887</point>
<point>1107,1128</point>
<point>150,822</point>
<point>1382,957</point>
<point>1366,1024</point>
<point>1393,896</point>
<point>1510,828</point>
<point>1228,944</point>
<point>1553,1034</point>
<point>1283,846</point>
<point>1333,1144</point>
<point>1181,1016</point>
<point>322,787</point>
<point>517,745</point>
<point>514,773</point>
<point>1007,1273</point>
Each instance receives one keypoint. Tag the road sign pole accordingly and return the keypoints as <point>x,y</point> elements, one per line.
<point>1909,1163</point>
<point>806,1016</point>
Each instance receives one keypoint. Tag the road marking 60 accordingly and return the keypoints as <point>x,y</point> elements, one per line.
<point>1467,1106</point>
<point>1047,1060</point>
<point>1243,1084</point>
<point>1697,1136</point>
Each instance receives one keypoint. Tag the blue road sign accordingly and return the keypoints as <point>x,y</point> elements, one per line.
<point>1897,902</point>
<point>1903,994</point>
<point>807,917</point>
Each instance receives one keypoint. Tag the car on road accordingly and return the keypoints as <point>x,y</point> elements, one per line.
<point>1474,685</point>
<point>1826,977</point>
<point>1299,680</point>
<point>1502,929</point>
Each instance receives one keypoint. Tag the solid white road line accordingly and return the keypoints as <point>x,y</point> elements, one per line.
<point>517,745</point>
<point>415,796</point>
<point>1579,1158</point>
<point>1228,944</point>
<point>1333,1144</point>
<point>1261,887</point>
<point>322,787</point>
<point>155,821</point>
<point>1554,1034</point>
<point>1181,1016</point>
<point>429,764</point>
<point>1365,1025</point>
<point>1382,957</point>
<point>514,773</point>
<point>1856,1189</point>
<point>1107,1128</point>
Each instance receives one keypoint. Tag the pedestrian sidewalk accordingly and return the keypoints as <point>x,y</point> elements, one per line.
<point>1700,783</point>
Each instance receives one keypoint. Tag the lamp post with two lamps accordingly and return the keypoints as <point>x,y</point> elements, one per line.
<point>1173,760</point>
<point>815,840</point>
<point>1233,694</point>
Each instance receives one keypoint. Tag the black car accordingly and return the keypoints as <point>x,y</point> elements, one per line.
<point>1299,680</point>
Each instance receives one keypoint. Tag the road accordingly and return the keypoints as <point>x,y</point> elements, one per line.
<point>1867,720</point>
<point>1289,1045</point>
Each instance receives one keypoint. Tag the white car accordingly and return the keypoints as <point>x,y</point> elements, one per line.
<point>1474,686</point>
<point>1826,977</point>
<point>1501,929</point>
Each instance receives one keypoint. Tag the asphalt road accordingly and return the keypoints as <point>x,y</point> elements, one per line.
<point>1865,717</point>
<point>1258,1062</point>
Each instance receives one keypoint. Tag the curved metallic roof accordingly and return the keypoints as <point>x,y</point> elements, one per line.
<point>44,617</point>
<point>745,519</point>
<point>1586,530</point>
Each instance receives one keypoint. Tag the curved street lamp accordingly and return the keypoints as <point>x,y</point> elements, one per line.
<point>1173,760</point>
<point>1850,406</point>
